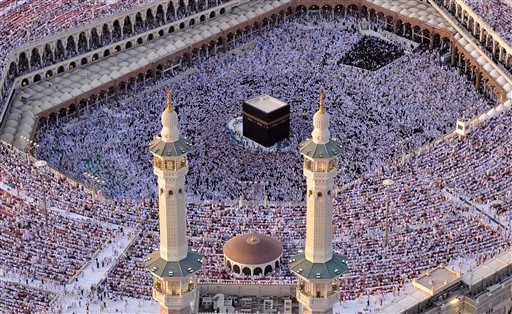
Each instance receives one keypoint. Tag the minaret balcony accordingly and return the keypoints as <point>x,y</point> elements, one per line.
<point>317,303</point>
<point>177,301</point>
<point>319,175</point>
<point>171,164</point>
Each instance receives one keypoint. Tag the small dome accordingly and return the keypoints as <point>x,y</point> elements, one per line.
<point>321,120</point>
<point>169,118</point>
<point>321,133</point>
<point>170,130</point>
<point>253,249</point>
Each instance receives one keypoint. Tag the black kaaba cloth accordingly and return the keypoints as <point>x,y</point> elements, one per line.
<point>266,120</point>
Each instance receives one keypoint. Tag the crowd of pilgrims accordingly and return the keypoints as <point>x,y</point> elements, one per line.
<point>497,14</point>
<point>421,215</point>
<point>375,115</point>
<point>50,247</point>
<point>17,298</point>
<point>371,53</point>
<point>25,21</point>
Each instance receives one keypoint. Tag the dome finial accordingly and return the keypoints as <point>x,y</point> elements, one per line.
<point>168,92</point>
<point>322,97</point>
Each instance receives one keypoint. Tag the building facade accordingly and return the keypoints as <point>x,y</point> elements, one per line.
<point>484,290</point>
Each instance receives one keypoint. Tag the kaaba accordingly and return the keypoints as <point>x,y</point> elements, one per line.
<point>266,120</point>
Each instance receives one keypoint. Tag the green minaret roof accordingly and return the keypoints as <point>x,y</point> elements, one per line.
<point>314,150</point>
<point>331,269</point>
<point>162,268</point>
<point>164,149</point>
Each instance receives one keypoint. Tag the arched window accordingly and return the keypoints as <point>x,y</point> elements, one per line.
<point>236,269</point>
<point>171,193</point>
<point>319,194</point>
<point>268,269</point>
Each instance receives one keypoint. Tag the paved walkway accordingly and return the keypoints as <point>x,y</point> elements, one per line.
<point>91,276</point>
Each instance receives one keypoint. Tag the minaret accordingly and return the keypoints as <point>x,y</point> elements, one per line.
<point>318,268</point>
<point>173,266</point>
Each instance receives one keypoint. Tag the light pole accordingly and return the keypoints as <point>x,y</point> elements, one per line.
<point>387,183</point>
<point>41,165</point>
<point>265,196</point>
<point>241,200</point>
<point>251,194</point>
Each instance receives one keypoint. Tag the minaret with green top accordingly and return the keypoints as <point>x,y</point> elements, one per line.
<point>318,267</point>
<point>173,266</point>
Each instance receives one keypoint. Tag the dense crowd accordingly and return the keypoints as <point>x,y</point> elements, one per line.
<point>16,298</point>
<point>32,20</point>
<point>497,14</point>
<point>479,167</point>
<point>20,174</point>
<point>375,115</point>
<point>49,247</point>
<point>371,53</point>
<point>421,215</point>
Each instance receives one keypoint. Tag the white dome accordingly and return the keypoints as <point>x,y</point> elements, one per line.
<point>170,132</point>
<point>321,133</point>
